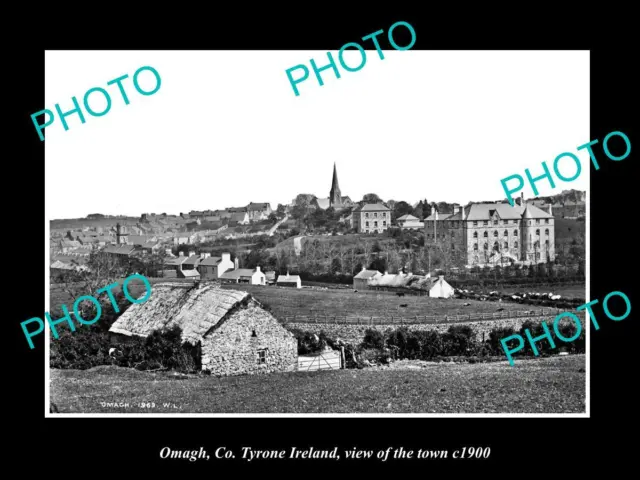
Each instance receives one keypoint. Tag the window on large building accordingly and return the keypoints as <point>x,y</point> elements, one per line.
<point>546,243</point>
<point>506,233</point>
<point>453,246</point>
<point>546,220</point>
<point>384,223</point>
<point>366,224</point>
<point>375,224</point>
<point>515,244</point>
<point>495,222</point>
<point>515,233</point>
<point>475,234</point>
<point>486,222</point>
<point>495,234</point>
<point>496,246</point>
<point>546,232</point>
<point>375,215</point>
<point>486,234</point>
<point>475,224</point>
<point>453,234</point>
<point>506,245</point>
<point>486,246</point>
<point>384,214</point>
<point>537,221</point>
<point>475,246</point>
<point>538,232</point>
<point>366,215</point>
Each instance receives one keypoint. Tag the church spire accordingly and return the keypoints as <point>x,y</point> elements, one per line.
<point>335,197</point>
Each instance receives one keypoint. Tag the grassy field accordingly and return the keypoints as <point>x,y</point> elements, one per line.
<point>351,239</point>
<point>289,301</point>
<point>549,385</point>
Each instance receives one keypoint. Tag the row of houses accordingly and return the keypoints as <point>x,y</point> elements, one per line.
<point>205,267</point>
<point>437,286</point>
<point>253,212</point>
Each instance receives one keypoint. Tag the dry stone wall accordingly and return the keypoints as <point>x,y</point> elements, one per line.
<point>354,334</point>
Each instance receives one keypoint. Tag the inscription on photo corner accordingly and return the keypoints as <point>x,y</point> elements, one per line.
<point>145,405</point>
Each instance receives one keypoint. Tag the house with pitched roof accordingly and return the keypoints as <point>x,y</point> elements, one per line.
<point>258,211</point>
<point>212,267</point>
<point>252,276</point>
<point>409,222</point>
<point>494,233</point>
<point>362,279</point>
<point>371,218</point>
<point>231,332</point>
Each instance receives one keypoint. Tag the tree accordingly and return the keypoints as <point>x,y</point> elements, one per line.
<point>281,211</point>
<point>102,270</point>
<point>401,208</point>
<point>371,198</point>
<point>273,218</point>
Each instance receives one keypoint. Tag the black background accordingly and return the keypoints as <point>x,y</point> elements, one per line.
<point>542,446</point>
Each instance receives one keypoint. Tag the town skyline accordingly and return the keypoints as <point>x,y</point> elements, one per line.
<point>450,124</point>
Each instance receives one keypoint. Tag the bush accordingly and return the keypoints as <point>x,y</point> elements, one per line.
<point>497,334</point>
<point>373,339</point>
<point>89,347</point>
<point>405,343</point>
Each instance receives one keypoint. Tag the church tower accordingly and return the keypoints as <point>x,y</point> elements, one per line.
<point>122,236</point>
<point>335,197</point>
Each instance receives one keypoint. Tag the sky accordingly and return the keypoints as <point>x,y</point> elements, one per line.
<point>225,127</point>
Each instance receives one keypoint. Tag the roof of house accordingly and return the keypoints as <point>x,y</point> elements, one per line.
<point>257,206</point>
<point>240,272</point>
<point>211,261</point>
<point>195,309</point>
<point>367,274</point>
<point>121,249</point>
<point>483,211</point>
<point>139,239</point>
<point>407,217</point>
<point>374,207</point>
<point>176,260</point>
<point>192,260</point>
<point>190,273</point>
<point>239,217</point>
<point>288,278</point>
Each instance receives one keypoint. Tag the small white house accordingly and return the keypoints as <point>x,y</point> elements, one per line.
<point>441,289</point>
<point>244,275</point>
<point>289,281</point>
<point>409,222</point>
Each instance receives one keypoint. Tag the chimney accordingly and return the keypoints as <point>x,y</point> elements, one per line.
<point>181,253</point>
<point>456,208</point>
<point>549,209</point>
<point>205,255</point>
<point>363,269</point>
<point>386,273</point>
<point>191,253</point>
<point>440,277</point>
<point>235,263</point>
<point>433,210</point>
<point>258,268</point>
<point>287,273</point>
<point>226,256</point>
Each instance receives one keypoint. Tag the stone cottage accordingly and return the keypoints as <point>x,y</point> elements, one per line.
<point>235,335</point>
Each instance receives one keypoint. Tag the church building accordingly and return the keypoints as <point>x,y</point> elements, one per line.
<point>335,199</point>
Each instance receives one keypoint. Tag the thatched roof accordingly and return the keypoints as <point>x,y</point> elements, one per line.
<point>195,309</point>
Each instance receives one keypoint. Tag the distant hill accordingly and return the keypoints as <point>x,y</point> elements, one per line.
<point>566,196</point>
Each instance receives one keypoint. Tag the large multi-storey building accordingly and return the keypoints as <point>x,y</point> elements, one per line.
<point>371,218</point>
<point>494,233</point>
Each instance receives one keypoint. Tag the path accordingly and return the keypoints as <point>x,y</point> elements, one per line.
<point>273,229</point>
<point>297,244</point>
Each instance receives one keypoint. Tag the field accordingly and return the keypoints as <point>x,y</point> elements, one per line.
<point>286,302</point>
<point>547,385</point>
<point>348,240</point>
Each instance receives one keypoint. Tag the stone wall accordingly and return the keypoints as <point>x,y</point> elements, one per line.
<point>233,349</point>
<point>354,334</point>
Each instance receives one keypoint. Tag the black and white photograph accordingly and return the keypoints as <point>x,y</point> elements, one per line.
<point>258,243</point>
